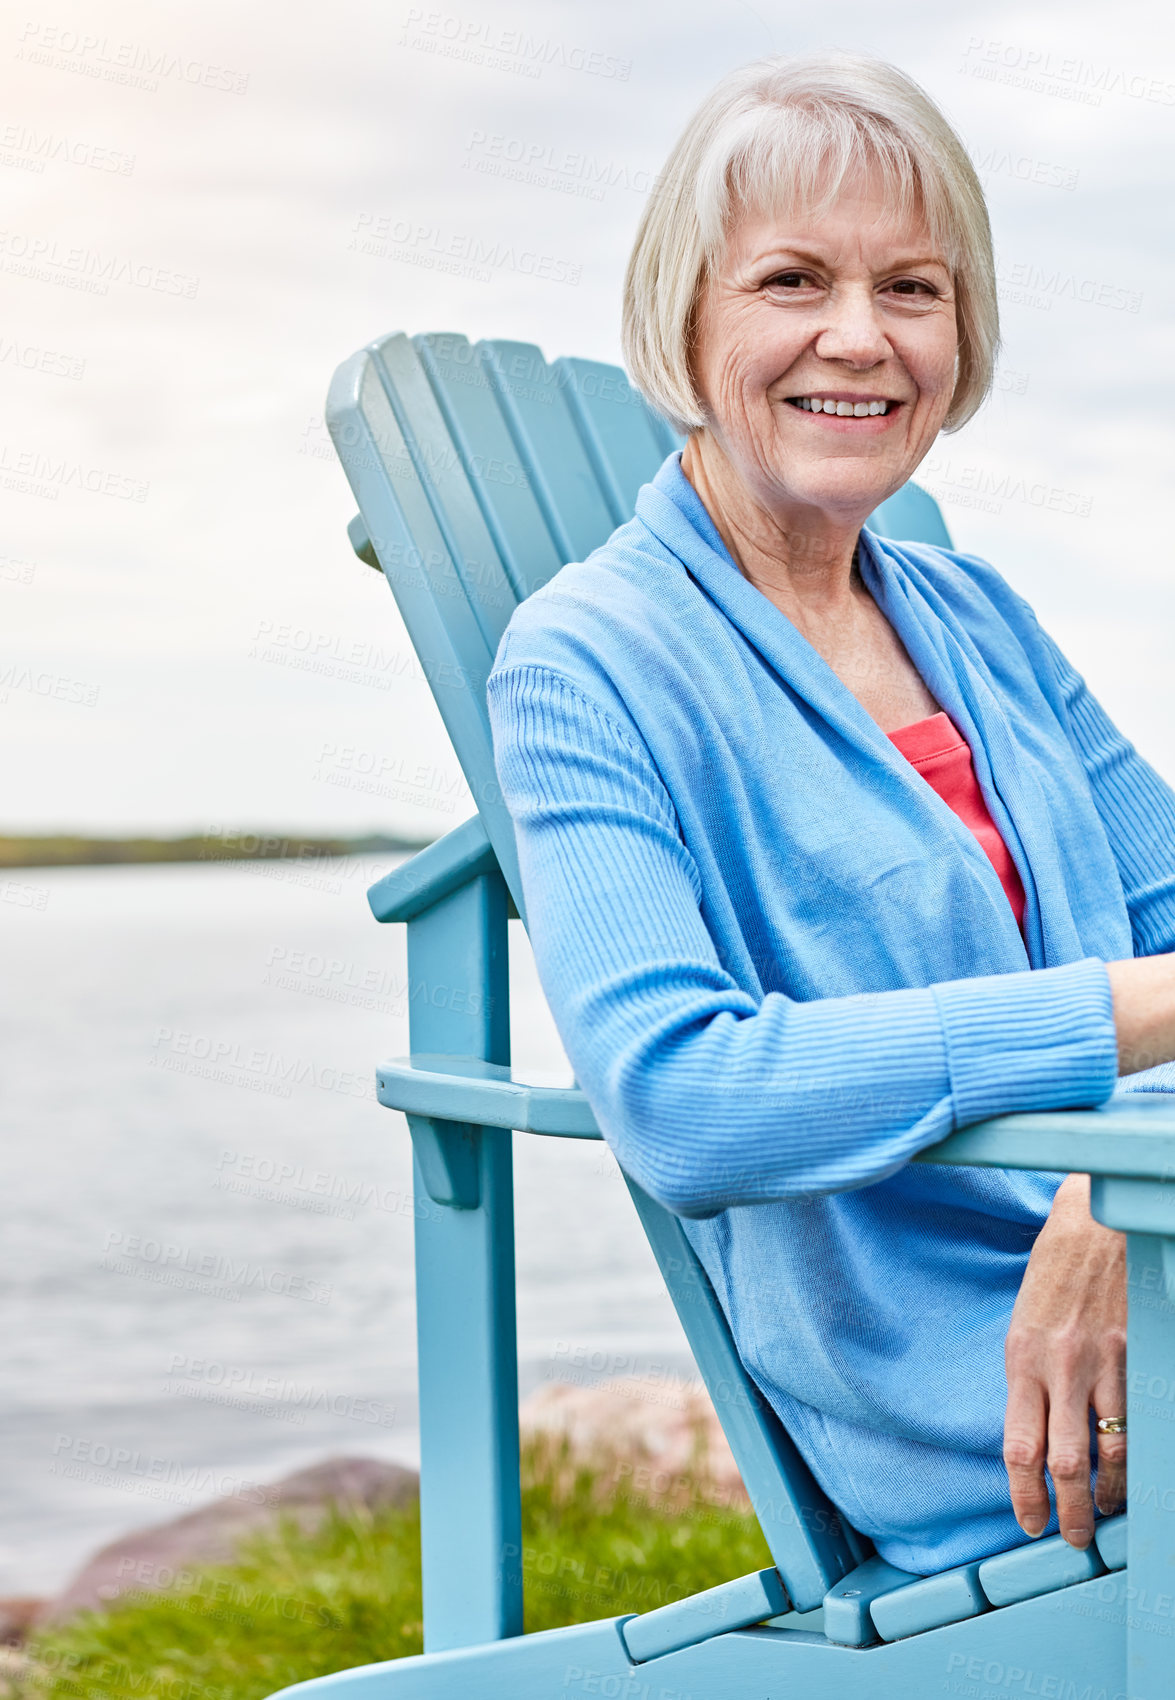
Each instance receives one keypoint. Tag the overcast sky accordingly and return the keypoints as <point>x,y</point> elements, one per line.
<point>166,484</point>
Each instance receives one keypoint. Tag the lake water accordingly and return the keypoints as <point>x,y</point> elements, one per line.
<point>207,1258</point>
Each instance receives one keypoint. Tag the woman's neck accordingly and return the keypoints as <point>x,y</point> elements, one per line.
<point>804,562</point>
<point>807,570</point>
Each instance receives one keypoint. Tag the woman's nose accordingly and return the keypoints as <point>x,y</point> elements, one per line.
<point>852,331</point>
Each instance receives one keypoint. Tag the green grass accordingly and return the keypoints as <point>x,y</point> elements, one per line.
<point>298,1605</point>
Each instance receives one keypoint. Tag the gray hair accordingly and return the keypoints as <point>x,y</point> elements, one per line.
<point>786,133</point>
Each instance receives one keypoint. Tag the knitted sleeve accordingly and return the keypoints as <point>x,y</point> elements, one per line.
<point>1137,808</point>
<point>711,1099</point>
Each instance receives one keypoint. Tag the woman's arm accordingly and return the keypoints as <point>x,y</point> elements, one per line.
<point>1066,1345</point>
<point>712,1099</point>
<point>1137,809</point>
<point>1136,806</point>
<point>1143,991</point>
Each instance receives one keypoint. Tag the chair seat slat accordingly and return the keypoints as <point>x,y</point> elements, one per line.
<point>931,1603</point>
<point>1040,1568</point>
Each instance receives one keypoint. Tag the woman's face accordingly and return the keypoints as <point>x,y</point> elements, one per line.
<point>853,308</point>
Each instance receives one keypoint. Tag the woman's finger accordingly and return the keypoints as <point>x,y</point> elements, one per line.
<point>1109,1400</point>
<point>1025,1449</point>
<point>1069,1462</point>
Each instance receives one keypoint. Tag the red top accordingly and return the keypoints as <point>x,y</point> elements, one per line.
<point>942,756</point>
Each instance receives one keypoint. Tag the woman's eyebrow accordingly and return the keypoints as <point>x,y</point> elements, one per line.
<point>812,256</point>
<point>916,264</point>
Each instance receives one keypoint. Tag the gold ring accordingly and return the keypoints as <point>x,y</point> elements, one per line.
<point>1111,1425</point>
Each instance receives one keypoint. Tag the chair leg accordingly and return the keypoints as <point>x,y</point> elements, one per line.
<point>1144,1601</point>
<point>1149,1589</point>
<point>471,1539</point>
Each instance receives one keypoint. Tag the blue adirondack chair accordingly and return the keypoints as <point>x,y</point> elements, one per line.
<point>478,472</point>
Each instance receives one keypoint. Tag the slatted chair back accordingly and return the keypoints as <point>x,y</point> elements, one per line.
<point>479,471</point>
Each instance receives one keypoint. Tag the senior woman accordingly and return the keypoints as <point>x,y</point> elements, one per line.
<point>827,849</point>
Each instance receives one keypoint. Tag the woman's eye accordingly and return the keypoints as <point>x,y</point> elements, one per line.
<point>911,286</point>
<point>788,280</point>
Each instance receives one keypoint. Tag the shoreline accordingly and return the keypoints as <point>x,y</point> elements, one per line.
<point>78,850</point>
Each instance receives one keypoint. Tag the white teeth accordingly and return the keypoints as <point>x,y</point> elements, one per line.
<point>844,409</point>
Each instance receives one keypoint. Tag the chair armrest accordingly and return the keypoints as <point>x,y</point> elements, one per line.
<point>433,873</point>
<point>465,1089</point>
<point>1131,1136</point>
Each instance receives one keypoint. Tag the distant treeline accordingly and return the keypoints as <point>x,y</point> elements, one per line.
<point>62,850</point>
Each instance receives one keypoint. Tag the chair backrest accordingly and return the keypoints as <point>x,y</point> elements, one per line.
<point>479,471</point>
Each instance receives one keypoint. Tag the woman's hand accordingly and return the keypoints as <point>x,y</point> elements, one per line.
<point>1066,1352</point>
<point>1143,990</point>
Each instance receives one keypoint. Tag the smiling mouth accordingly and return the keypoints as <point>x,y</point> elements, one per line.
<point>863,409</point>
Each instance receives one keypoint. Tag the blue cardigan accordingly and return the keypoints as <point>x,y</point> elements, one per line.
<point>781,966</point>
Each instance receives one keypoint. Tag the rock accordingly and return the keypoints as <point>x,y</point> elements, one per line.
<point>17,1617</point>
<point>17,1673</point>
<point>154,1559</point>
<point>653,1438</point>
<point>656,1438</point>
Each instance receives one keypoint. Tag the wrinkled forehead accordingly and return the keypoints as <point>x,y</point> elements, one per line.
<point>856,227</point>
<point>797,181</point>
